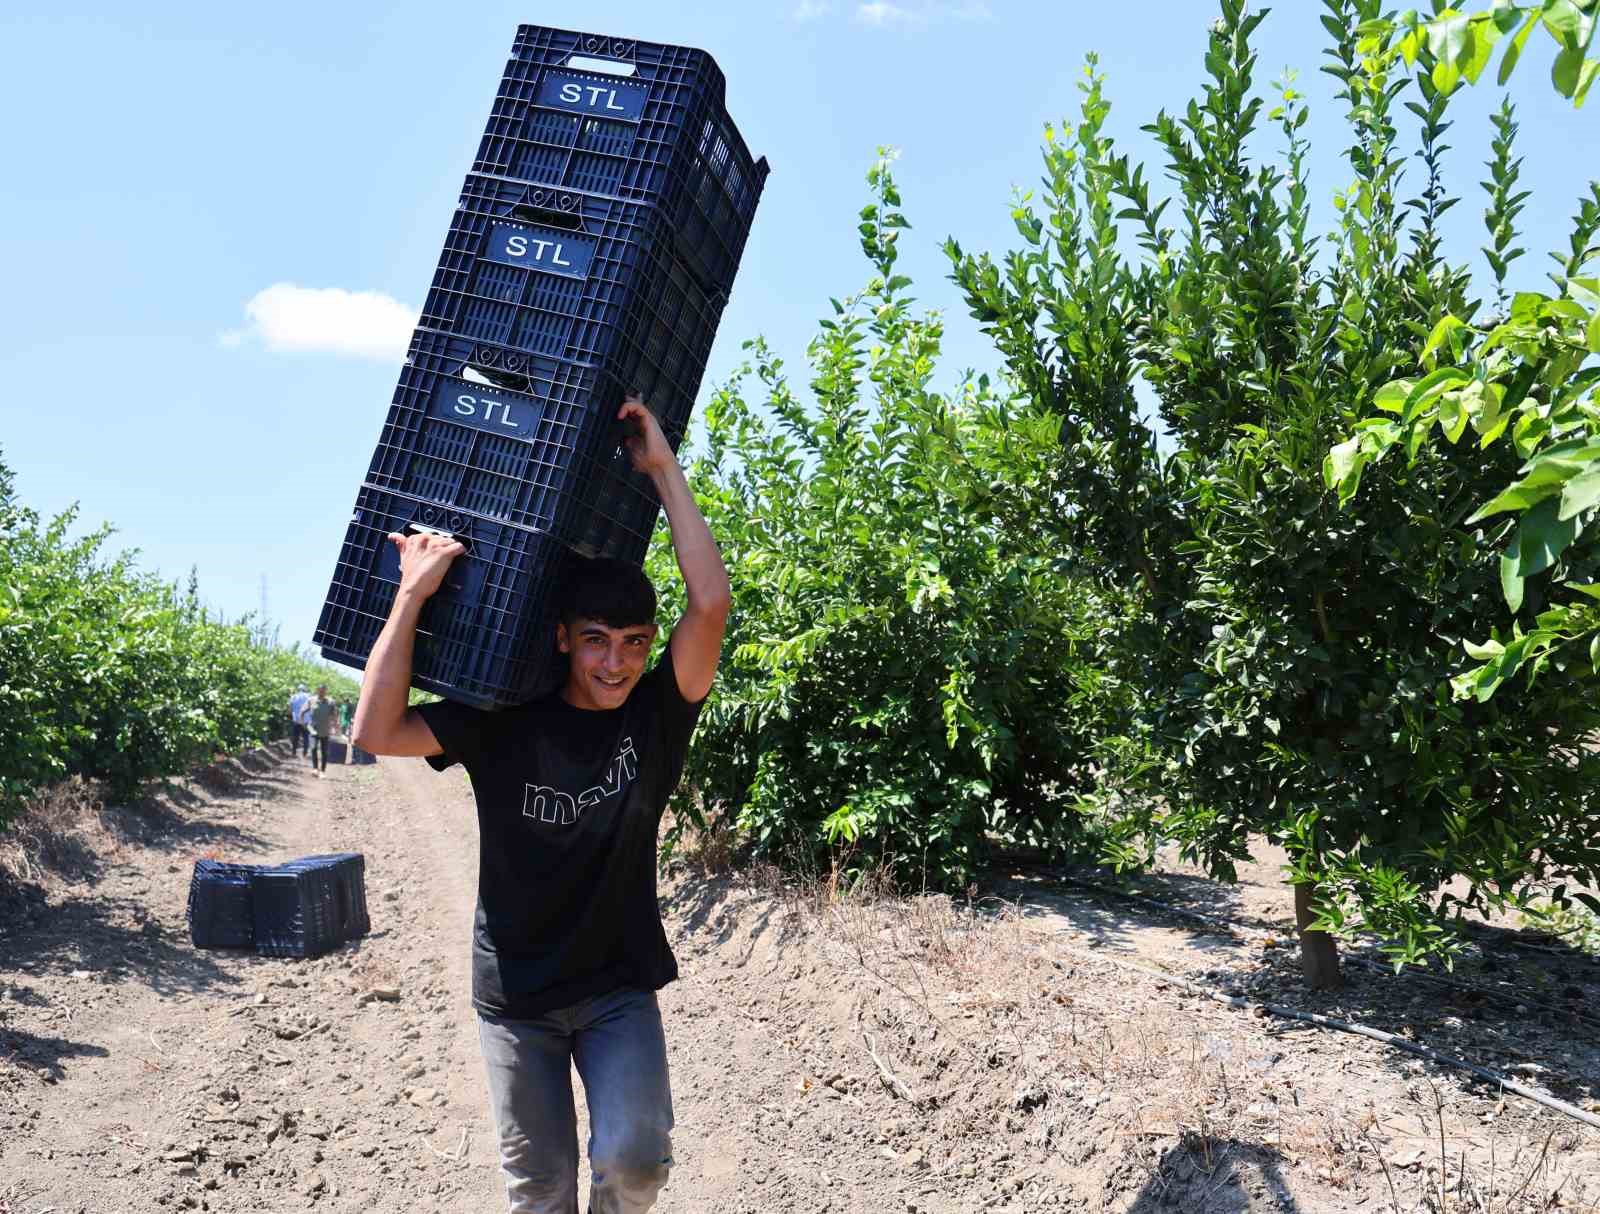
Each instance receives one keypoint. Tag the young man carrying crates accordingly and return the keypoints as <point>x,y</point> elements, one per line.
<point>568,947</point>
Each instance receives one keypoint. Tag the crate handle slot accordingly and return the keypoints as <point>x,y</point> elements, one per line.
<point>606,67</point>
<point>437,527</point>
<point>553,212</point>
<point>496,369</point>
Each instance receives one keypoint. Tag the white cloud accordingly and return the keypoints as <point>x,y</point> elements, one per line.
<point>882,13</point>
<point>811,10</point>
<point>290,319</point>
<point>917,13</point>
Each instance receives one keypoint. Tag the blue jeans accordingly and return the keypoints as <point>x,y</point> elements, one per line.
<point>616,1041</point>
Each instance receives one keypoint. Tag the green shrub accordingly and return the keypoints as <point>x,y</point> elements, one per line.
<point>110,673</point>
<point>906,679</point>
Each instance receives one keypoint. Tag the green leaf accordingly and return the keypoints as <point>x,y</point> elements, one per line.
<point>1391,398</point>
<point>1517,497</point>
<point>1452,417</point>
<point>1542,536</point>
<point>1482,34</point>
<point>1563,19</point>
<point>1441,333</point>
<point>1429,386</point>
<point>1511,582</point>
<point>1448,36</point>
<point>1585,290</point>
<point>1581,493</point>
<point>1514,49</point>
<point>1341,468</point>
<point>1592,335</point>
<point>1545,478</point>
<point>1587,74</point>
<point>1482,653</point>
<point>1564,71</point>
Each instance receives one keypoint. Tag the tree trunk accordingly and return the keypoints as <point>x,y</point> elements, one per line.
<point>1319,952</point>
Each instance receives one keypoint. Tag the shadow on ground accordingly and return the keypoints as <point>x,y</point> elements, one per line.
<point>44,1055</point>
<point>1088,901</point>
<point>1215,1176</point>
<point>706,906</point>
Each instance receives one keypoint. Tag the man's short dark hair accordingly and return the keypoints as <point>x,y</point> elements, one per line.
<point>613,592</point>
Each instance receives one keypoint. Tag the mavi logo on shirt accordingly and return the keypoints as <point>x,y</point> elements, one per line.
<point>543,803</point>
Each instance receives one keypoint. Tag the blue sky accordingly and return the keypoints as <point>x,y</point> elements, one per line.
<point>166,165</point>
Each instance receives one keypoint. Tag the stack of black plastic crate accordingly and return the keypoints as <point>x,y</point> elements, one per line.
<point>299,909</point>
<point>592,253</point>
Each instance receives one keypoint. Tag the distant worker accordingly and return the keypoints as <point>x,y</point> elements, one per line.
<point>299,702</point>
<point>323,713</point>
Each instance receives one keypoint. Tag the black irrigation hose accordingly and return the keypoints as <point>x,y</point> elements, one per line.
<point>1345,1026</point>
<point>1230,926</point>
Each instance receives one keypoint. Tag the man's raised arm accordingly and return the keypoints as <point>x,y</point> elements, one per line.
<point>697,639</point>
<point>384,724</point>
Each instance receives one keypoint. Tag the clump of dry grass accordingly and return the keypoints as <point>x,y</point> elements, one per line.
<point>716,850</point>
<point>49,837</point>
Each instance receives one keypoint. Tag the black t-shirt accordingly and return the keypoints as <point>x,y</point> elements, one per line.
<point>569,804</point>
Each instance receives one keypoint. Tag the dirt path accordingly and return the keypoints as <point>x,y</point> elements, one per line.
<point>827,1055</point>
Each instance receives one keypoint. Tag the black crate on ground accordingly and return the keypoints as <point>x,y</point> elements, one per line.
<point>641,121</point>
<point>302,910</point>
<point>539,447</point>
<point>351,869</point>
<point>340,751</point>
<point>487,637</point>
<point>221,908</point>
<point>576,277</point>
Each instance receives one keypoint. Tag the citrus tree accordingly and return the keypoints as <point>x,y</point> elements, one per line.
<point>1291,658</point>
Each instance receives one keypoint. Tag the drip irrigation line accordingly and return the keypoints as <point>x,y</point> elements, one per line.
<point>1345,1026</point>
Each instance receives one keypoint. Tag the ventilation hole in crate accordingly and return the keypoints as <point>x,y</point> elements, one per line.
<point>539,162</point>
<point>487,319</point>
<point>445,440</point>
<point>485,493</point>
<point>503,456</point>
<point>431,478</point>
<point>541,333</point>
<point>492,280</point>
<point>610,138</point>
<point>547,126</point>
<point>554,293</point>
<point>594,173</point>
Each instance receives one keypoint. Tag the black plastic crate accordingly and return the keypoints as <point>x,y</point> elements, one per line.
<point>221,908</point>
<point>532,441</point>
<point>641,121</point>
<point>351,870</point>
<point>301,910</point>
<point>354,756</point>
<point>486,637</point>
<point>558,274</point>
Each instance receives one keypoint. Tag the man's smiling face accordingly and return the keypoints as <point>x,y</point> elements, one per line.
<point>606,661</point>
